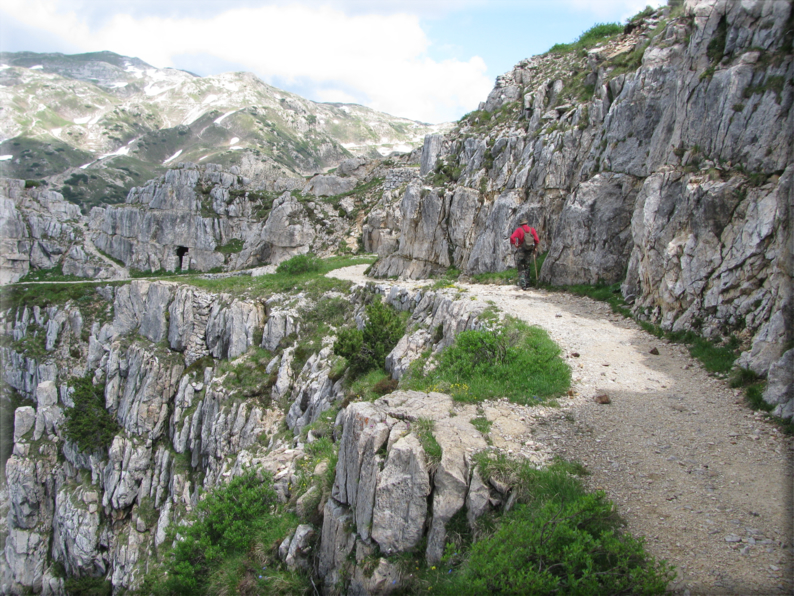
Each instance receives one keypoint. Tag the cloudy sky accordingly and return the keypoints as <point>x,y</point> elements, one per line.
<point>430,60</point>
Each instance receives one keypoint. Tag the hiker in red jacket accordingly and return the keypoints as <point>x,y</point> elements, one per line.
<point>524,246</point>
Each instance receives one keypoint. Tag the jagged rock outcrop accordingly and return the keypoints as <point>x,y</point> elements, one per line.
<point>388,494</point>
<point>202,217</point>
<point>39,230</point>
<point>661,159</point>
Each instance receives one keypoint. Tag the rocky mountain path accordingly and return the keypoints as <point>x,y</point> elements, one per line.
<point>706,481</point>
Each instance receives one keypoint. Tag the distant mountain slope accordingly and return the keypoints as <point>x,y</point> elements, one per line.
<point>94,125</point>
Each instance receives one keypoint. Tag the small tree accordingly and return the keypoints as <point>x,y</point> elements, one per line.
<point>367,349</point>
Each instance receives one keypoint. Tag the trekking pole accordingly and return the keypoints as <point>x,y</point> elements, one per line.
<point>535,259</point>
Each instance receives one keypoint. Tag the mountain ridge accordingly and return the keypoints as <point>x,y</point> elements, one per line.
<point>124,120</point>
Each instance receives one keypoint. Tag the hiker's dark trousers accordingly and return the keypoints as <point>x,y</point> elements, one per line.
<point>523,262</point>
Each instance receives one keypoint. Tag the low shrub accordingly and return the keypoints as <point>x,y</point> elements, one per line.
<point>570,547</point>
<point>517,361</point>
<point>231,545</point>
<point>299,264</point>
<point>366,349</point>
<point>88,586</point>
<point>559,539</point>
<point>88,424</point>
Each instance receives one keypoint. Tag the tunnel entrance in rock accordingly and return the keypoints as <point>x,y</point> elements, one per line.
<point>181,251</point>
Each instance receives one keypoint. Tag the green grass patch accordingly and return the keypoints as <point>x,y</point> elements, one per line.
<point>138,273</point>
<point>53,274</point>
<point>363,387</point>
<point>88,586</point>
<point>516,361</point>
<point>43,295</point>
<point>482,424</point>
<point>423,428</point>
<point>234,246</point>
<point>589,38</point>
<point>300,264</point>
<point>314,283</point>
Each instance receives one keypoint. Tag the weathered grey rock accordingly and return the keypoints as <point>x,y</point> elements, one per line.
<point>383,501</point>
<point>363,434</point>
<point>593,233</point>
<point>780,386</point>
<point>306,504</point>
<point>384,579</point>
<point>326,186</point>
<point>189,314</point>
<point>408,349</point>
<point>287,231</point>
<point>398,517</point>
<point>300,548</point>
<point>336,543</point>
<point>139,388</point>
<point>279,325</point>
<point>284,376</point>
<point>128,463</point>
<point>230,329</point>
<point>76,531</point>
<point>37,228</point>
<point>430,151</point>
<point>313,391</point>
<point>154,324</point>
<point>24,419</point>
<point>451,478</point>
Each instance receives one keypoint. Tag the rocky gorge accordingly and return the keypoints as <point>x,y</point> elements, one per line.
<point>659,159</point>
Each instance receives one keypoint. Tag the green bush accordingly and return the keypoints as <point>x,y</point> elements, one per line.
<point>367,349</point>
<point>299,264</point>
<point>88,424</point>
<point>558,540</point>
<point>570,547</point>
<point>517,361</point>
<point>88,586</point>
<point>231,545</point>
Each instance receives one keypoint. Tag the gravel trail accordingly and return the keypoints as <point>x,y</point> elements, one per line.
<point>705,480</point>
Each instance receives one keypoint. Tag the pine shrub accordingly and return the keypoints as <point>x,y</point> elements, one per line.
<point>88,424</point>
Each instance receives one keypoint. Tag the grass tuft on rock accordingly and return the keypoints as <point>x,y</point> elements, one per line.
<point>516,361</point>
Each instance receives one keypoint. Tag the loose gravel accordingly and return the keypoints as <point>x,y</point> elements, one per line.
<point>707,482</point>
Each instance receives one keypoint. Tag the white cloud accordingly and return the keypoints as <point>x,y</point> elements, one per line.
<point>378,57</point>
<point>606,9</point>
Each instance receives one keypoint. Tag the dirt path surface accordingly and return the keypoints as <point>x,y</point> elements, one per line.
<point>705,480</point>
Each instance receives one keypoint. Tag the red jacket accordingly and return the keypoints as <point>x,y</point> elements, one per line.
<point>517,238</point>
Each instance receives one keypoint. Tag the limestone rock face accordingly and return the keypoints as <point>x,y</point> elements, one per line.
<point>674,177</point>
<point>430,152</point>
<point>313,391</point>
<point>40,230</point>
<point>287,231</point>
<point>384,480</point>
<point>326,186</point>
